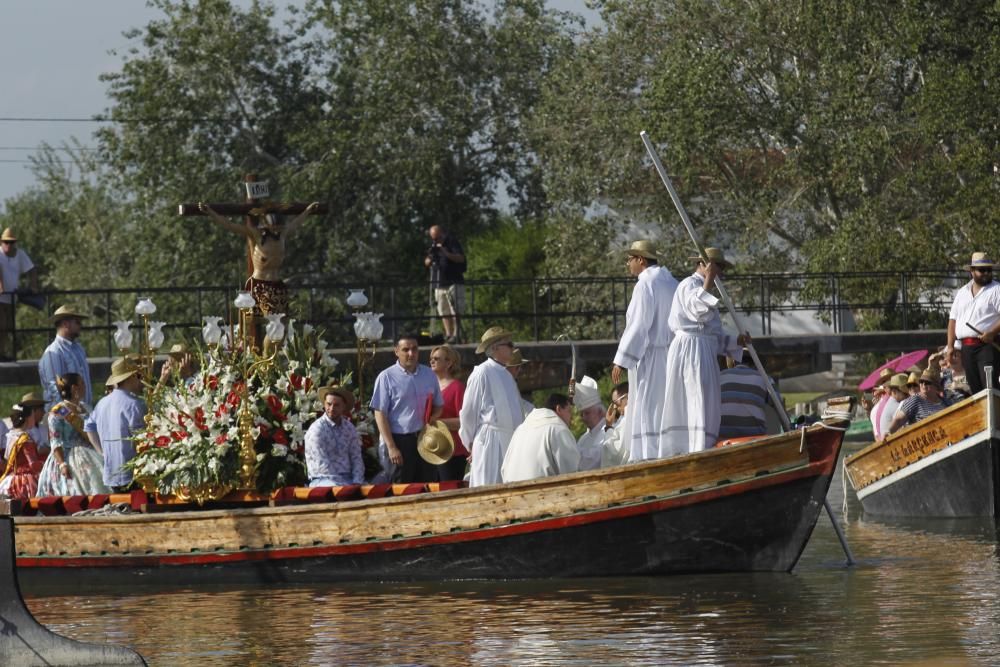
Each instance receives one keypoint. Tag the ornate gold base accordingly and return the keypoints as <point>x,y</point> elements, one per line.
<point>203,492</point>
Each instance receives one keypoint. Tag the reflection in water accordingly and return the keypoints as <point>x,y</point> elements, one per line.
<point>923,591</point>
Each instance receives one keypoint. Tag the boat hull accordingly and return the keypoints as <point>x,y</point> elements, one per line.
<point>945,466</point>
<point>749,509</point>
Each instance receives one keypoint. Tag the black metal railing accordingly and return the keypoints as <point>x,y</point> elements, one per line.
<point>590,307</point>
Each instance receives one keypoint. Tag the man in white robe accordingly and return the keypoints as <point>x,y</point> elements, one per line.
<point>491,409</point>
<point>643,349</point>
<point>587,400</point>
<point>543,445</point>
<point>694,391</point>
<point>616,452</point>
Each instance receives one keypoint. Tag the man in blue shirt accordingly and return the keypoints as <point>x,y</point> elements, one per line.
<point>64,355</point>
<point>115,420</point>
<point>406,398</point>
<point>333,448</point>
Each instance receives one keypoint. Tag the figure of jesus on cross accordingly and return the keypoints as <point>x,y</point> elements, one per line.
<point>265,240</point>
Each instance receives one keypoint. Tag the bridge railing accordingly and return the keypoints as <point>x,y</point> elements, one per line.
<point>536,309</point>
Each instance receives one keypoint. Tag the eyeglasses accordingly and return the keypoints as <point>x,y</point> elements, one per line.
<point>987,269</point>
<point>8,242</point>
<point>620,399</point>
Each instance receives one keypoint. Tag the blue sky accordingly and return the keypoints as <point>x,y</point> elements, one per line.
<point>53,52</point>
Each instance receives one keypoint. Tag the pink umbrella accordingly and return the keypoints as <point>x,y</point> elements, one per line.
<point>899,364</point>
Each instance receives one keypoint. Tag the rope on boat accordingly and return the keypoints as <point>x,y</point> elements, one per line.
<point>109,509</point>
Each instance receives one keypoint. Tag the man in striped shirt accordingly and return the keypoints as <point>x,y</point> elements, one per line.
<point>744,396</point>
<point>927,402</point>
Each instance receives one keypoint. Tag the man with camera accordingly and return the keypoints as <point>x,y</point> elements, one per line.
<point>446,260</point>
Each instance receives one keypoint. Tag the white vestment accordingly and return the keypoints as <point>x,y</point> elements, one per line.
<point>591,446</point>
<point>615,451</point>
<point>491,410</point>
<point>643,351</point>
<point>541,447</point>
<point>694,393</point>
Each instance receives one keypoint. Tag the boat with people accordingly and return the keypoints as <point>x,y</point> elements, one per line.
<point>745,506</point>
<point>946,465</point>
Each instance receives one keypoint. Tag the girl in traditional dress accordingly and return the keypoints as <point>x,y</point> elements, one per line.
<point>74,467</point>
<point>20,477</point>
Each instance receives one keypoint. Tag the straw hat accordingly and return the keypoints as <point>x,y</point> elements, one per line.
<point>884,377</point>
<point>492,335</point>
<point>643,248</point>
<point>8,235</point>
<point>32,400</point>
<point>121,370</point>
<point>979,261</point>
<point>516,358</point>
<point>914,378</point>
<point>898,381</point>
<point>436,445</point>
<point>178,350</point>
<point>343,392</point>
<point>930,375</point>
<point>714,255</point>
<point>66,312</point>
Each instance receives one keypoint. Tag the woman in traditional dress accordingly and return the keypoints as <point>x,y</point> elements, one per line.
<point>24,463</point>
<point>74,468</point>
<point>446,363</point>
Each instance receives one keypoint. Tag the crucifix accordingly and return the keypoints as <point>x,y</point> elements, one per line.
<point>265,237</point>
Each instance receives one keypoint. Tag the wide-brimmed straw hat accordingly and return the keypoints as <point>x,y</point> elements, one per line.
<point>516,358</point>
<point>343,392</point>
<point>913,378</point>
<point>178,350</point>
<point>884,376</point>
<point>121,370</point>
<point>65,312</point>
<point>32,400</point>
<point>436,445</point>
<point>714,255</point>
<point>643,248</point>
<point>490,336</point>
<point>8,235</point>
<point>980,261</point>
<point>930,375</point>
<point>898,381</point>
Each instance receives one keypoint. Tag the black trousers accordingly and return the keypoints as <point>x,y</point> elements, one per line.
<point>414,468</point>
<point>452,470</point>
<point>976,359</point>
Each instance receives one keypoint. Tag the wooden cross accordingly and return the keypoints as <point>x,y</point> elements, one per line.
<point>256,207</point>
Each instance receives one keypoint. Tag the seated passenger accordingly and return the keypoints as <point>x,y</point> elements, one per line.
<point>20,477</point>
<point>542,445</point>
<point>616,451</point>
<point>333,447</point>
<point>927,402</point>
<point>744,398</point>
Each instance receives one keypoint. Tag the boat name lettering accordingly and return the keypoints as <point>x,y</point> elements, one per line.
<point>917,444</point>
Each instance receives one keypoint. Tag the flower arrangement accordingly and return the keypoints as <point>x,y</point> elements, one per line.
<point>194,436</point>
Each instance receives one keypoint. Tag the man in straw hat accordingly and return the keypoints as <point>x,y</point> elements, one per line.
<point>116,419</point>
<point>407,397</point>
<point>694,392</point>
<point>491,409</point>
<point>643,349</point>
<point>927,402</point>
<point>543,445</point>
<point>587,400</point>
<point>64,355</point>
<point>974,322</point>
<point>333,446</point>
<point>14,263</point>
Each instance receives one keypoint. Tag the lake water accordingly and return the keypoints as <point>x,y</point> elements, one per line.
<point>922,593</point>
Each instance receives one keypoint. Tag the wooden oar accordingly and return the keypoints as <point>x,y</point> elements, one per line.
<point>732,312</point>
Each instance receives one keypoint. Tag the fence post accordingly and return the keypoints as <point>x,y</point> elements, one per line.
<point>906,306</point>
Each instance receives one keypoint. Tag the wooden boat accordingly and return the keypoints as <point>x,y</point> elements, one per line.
<point>744,507</point>
<point>943,466</point>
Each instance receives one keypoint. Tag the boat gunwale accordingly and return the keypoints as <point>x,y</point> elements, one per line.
<point>494,491</point>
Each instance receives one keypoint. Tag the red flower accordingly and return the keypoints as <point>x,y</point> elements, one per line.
<point>264,430</point>
<point>162,441</point>
<point>179,435</point>
<point>180,419</point>
<point>221,439</point>
<point>199,420</point>
<point>274,403</point>
<point>280,436</point>
<point>233,399</point>
<point>309,384</point>
<point>213,382</point>
<point>295,380</point>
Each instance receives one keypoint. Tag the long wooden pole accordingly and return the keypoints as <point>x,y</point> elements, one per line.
<point>779,407</point>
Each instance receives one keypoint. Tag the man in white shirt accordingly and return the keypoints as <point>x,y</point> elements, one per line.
<point>587,400</point>
<point>974,322</point>
<point>616,452</point>
<point>14,263</point>
<point>491,408</point>
<point>643,349</point>
<point>543,445</point>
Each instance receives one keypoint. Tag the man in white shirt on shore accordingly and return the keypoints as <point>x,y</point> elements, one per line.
<point>974,322</point>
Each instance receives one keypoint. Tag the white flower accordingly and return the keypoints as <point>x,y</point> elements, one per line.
<point>279,450</point>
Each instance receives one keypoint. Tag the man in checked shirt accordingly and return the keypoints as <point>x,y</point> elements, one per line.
<point>333,448</point>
